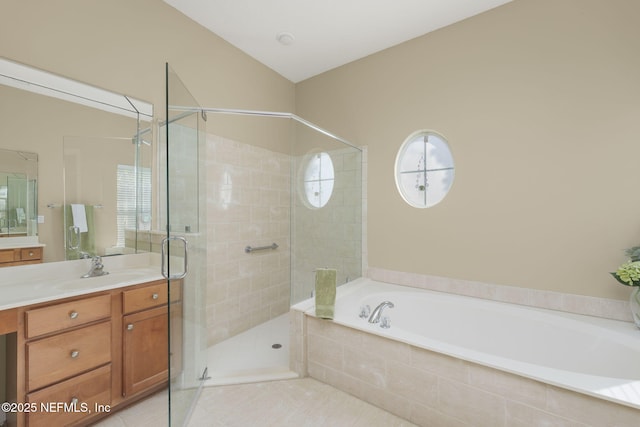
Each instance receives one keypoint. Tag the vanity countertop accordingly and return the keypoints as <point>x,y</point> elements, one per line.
<point>20,242</point>
<point>33,284</point>
<point>4,245</point>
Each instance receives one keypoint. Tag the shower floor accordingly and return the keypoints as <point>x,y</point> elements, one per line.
<point>251,356</point>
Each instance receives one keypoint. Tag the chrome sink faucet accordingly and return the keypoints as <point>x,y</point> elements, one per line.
<point>97,268</point>
<point>377,312</point>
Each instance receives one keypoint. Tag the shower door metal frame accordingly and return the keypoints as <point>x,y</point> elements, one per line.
<point>266,114</point>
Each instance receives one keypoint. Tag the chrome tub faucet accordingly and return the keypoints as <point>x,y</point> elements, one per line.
<point>377,312</point>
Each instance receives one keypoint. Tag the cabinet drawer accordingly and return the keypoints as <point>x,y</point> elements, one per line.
<point>61,356</point>
<point>28,254</point>
<point>7,255</point>
<point>149,296</point>
<point>66,315</point>
<point>20,256</point>
<point>91,393</point>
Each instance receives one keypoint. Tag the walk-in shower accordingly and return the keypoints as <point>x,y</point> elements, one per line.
<point>292,192</point>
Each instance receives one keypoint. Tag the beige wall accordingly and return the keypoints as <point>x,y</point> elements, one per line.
<point>123,46</point>
<point>540,101</point>
<point>119,45</point>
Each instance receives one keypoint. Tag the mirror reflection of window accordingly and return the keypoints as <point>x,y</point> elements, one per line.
<point>18,193</point>
<point>424,169</point>
<point>132,213</point>
<point>319,179</point>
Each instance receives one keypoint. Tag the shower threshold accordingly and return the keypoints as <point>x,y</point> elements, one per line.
<point>256,355</point>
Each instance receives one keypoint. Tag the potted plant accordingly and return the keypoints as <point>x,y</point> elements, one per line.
<point>633,253</point>
<point>628,274</point>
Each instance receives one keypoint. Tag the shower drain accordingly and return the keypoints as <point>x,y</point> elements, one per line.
<point>276,346</point>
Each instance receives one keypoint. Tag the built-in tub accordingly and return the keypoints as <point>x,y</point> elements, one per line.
<point>590,355</point>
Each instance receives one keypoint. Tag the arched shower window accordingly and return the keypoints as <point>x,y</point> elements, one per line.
<point>424,169</point>
<point>318,179</point>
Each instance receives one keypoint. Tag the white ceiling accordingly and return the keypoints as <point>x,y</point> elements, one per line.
<point>326,33</point>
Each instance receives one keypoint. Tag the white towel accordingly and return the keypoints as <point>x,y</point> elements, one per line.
<point>79,217</point>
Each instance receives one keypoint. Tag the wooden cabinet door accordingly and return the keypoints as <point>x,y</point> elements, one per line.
<point>145,348</point>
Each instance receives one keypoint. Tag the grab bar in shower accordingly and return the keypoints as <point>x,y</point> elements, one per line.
<point>250,249</point>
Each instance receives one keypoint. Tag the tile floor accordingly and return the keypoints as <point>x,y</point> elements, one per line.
<point>281,403</point>
<point>297,402</point>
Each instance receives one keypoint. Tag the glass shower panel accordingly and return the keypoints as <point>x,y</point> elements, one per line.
<point>184,249</point>
<point>273,178</point>
<point>326,208</point>
<point>248,173</point>
<point>32,206</point>
<point>184,187</point>
<point>17,186</point>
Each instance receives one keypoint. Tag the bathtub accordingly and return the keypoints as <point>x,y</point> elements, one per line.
<point>594,356</point>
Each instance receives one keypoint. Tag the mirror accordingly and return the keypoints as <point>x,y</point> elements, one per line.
<point>50,117</point>
<point>18,193</point>
<point>107,182</point>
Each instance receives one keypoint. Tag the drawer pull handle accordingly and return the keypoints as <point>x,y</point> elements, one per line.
<point>74,401</point>
<point>74,354</point>
<point>130,327</point>
<point>154,296</point>
<point>73,315</point>
<point>30,253</point>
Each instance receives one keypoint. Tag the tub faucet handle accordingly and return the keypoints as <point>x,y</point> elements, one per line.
<point>385,322</point>
<point>365,311</point>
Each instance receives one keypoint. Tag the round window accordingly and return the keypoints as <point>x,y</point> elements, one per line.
<point>424,169</point>
<point>318,179</point>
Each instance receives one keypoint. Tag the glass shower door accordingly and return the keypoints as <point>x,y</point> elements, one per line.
<point>184,247</point>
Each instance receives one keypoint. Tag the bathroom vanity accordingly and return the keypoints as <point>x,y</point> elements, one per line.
<point>20,256</point>
<point>20,251</point>
<point>72,360</point>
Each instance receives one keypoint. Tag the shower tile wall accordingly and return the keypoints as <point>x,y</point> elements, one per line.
<point>248,205</point>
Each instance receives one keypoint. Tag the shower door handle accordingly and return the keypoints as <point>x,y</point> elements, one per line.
<point>165,254</point>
